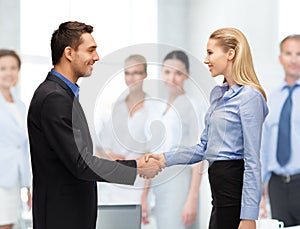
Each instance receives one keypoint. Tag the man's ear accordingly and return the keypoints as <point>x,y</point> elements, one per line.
<point>68,53</point>
<point>230,54</point>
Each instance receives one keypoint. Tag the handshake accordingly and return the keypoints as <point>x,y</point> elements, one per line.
<point>149,165</point>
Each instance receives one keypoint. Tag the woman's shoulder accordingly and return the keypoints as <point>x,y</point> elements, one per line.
<point>250,91</point>
<point>252,97</point>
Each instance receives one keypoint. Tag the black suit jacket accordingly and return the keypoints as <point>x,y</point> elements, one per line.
<point>64,168</point>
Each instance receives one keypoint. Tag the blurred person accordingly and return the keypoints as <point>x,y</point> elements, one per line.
<point>122,134</point>
<point>232,135</point>
<point>176,189</point>
<point>15,171</point>
<point>65,170</point>
<point>280,141</point>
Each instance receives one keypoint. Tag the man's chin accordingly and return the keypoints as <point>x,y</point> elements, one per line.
<point>86,75</point>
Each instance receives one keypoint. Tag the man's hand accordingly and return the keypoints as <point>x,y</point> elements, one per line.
<point>149,167</point>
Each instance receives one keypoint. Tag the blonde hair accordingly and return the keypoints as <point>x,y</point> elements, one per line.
<point>243,72</point>
<point>136,59</point>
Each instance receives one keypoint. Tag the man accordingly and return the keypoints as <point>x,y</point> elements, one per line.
<point>281,139</point>
<point>64,168</point>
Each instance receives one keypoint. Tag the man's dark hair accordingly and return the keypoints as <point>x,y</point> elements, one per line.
<point>68,34</point>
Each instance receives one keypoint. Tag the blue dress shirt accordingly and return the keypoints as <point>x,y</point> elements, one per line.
<point>74,87</point>
<point>233,126</point>
<point>270,132</point>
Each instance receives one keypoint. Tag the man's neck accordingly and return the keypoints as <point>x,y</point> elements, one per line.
<point>66,73</point>
<point>291,80</point>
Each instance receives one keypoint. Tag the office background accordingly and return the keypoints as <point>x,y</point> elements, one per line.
<point>27,25</point>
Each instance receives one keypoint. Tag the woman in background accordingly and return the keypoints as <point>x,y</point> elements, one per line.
<point>122,135</point>
<point>176,189</point>
<point>14,154</point>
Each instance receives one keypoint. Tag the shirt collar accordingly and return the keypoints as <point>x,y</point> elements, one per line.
<point>74,87</point>
<point>228,92</point>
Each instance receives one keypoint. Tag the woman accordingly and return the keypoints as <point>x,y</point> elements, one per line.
<point>232,135</point>
<point>122,135</point>
<point>176,189</point>
<point>14,157</point>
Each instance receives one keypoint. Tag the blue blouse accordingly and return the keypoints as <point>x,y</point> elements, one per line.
<point>233,126</point>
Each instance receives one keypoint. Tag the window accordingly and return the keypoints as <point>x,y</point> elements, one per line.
<point>117,24</point>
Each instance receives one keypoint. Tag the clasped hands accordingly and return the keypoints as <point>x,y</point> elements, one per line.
<point>149,165</point>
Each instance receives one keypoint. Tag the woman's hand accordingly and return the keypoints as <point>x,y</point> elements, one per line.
<point>29,199</point>
<point>189,212</point>
<point>145,211</point>
<point>247,224</point>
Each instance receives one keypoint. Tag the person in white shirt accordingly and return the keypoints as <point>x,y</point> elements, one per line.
<point>15,169</point>
<point>281,175</point>
<point>121,135</point>
<point>176,189</point>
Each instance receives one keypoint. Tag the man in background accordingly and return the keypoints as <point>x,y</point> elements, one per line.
<point>281,139</point>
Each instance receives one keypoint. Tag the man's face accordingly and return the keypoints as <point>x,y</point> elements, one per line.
<point>85,56</point>
<point>290,58</point>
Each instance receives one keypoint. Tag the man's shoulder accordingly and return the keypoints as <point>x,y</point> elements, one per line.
<point>49,87</point>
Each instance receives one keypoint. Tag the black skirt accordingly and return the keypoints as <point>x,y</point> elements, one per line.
<point>226,182</point>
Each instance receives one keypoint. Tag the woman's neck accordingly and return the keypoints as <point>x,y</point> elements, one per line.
<point>7,95</point>
<point>135,101</point>
<point>136,96</point>
<point>171,99</point>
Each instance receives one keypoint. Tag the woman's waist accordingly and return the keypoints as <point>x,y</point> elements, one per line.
<point>216,155</point>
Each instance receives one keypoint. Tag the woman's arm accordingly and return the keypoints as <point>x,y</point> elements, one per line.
<point>252,114</point>
<point>145,207</point>
<point>190,209</point>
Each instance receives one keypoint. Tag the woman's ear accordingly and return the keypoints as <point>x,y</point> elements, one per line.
<point>230,54</point>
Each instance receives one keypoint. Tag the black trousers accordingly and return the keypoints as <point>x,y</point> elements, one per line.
<point>284,194</point>
<point>226,182</point>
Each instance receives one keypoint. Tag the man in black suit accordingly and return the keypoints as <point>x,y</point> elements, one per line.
<point>64,168</point>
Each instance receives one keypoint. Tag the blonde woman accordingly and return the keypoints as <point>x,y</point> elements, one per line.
<point>232,135</point>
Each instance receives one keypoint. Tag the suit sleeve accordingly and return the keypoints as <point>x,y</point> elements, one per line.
<point>70,140</point>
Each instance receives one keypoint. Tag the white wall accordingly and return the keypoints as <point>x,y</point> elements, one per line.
<point>117,24</point>
<point>192,21</point>
<point>9,24</point>
<point>258,20</point>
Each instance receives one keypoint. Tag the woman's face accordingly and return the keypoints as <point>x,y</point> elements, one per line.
<point>174,73</point>
<point>134,76</point>
<point>9,71</point>
<point>217,59</point>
